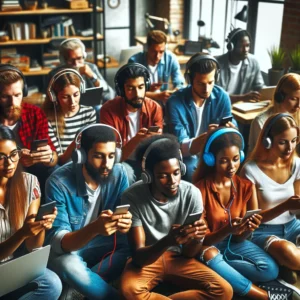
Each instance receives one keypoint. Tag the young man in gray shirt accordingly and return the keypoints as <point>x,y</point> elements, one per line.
<point>163,248</point>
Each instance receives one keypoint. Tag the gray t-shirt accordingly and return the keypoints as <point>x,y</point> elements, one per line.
<point>157,218</point>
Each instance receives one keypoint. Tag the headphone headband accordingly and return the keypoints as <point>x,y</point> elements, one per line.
<point>80,43</point>
<point>9,67</point>
<point>219,133</point>
<point>78,143</point>
<point>61,72</point>
<point>151,146</point>
<point>238,30</point>
<point>119,88</point>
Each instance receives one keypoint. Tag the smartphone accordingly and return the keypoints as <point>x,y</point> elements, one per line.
<point>192,218</point>
<point>45,209</point>
<point>122,209</point>
<point>38,143</point>
<point>249,213</point>
<point>225,120</point>
<point>153,129</point>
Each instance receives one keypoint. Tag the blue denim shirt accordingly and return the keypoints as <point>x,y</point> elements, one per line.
<point>67,187</point>
<point>167,66</point>
<point>182,117</point>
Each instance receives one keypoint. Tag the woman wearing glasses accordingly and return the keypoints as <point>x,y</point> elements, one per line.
<point>19,203</point>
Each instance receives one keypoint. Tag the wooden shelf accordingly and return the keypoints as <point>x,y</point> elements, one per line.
<point>44,71</point>
<point>112,64</point>
<point>49,11</point>
<point>40,41</point>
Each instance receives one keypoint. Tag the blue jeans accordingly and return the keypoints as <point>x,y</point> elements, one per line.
<point>246,264</point>
<point>191,163</point>
<point>49,287</point>
<point>80,268</point>
<point>288,231</point>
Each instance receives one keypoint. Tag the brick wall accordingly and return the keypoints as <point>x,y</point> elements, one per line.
<point>176,14</point>
<point>290,36</point>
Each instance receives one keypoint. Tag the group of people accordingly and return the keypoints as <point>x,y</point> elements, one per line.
<point>182,163</point>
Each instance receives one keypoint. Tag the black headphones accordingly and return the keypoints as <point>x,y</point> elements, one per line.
<point>51,93</point>
<point>8,67</point>
<point>147,176</point>
<point>266,140</point>
<point>231,35</point>
<point>119,88</point>
<point>279,95</point>
<point>79,156</point>
<point>198,58</point>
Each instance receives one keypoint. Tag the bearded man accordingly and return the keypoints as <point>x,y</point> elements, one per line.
<point>28,122</point>
<point>132,113</point>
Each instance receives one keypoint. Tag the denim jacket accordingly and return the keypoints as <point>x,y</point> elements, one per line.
<point>67,187</point>
<point>167,66</point>
<point>181,112</point>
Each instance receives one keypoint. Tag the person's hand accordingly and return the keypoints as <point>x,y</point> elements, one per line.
<point>106,223</point>
<point>238,226</point>
<point>26,159</point>
<point>212,127</point>
<point>253,95</point>
<point>32,228</point>
<point>49,219</point>
<point>200,230</point>
<point>42,155</point>
<point>254,222</point>
<point>86,70</point>
<point>155,86</point>
<point>163,96</point>
<point>292,203</point>
<point>151,133</point>
<point>123,222</point>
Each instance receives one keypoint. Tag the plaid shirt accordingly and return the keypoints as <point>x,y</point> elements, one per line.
<point>33,126</point>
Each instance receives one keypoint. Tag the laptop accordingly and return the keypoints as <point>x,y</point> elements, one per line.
<point>92,96</point>
<point>192,47</point>
<point>20,271</point>
<point>266,93</point>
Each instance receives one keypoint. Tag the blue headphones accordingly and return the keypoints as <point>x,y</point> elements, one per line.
<point>208,157</point>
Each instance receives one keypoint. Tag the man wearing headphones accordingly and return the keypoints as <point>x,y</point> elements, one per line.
<point>28,122</point>
<point>197,108</point>
<point>89,246</point>
<point>240,73</point>
<point>72,55</point>
<point>163,237</point>
<point>162,64</point>
<point>133,114</point>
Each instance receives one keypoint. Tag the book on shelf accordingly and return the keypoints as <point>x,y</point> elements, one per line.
<point>22,31</point>
<point>10,5</point>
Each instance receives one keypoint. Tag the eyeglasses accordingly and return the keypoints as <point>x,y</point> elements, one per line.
<point>14,157</point>
<point>73,60</point>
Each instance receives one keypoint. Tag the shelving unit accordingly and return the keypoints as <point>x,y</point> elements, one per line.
<point>36,47</point>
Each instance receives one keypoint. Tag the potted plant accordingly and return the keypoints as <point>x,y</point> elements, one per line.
<point>277,56</point>
<point>295,60</point>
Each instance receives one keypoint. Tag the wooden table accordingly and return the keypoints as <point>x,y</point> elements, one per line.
<point>182,59</point>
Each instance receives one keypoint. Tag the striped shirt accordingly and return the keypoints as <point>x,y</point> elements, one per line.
<point>85,116</point>
<point>34,193</point>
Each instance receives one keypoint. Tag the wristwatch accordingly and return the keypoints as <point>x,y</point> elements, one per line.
<point>94,78</point>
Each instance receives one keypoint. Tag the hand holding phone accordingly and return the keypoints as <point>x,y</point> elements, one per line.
<point>225,120</point>
<point>192,218</point>
<point>250,213</point>
<point>45,209</point>
<point>153,129</point>
<point>38,143</point>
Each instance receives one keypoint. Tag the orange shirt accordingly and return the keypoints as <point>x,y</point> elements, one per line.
<point>215,214</point>
<point>115,114</point>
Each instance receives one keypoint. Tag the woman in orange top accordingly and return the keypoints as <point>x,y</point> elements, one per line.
<point>226,198</point>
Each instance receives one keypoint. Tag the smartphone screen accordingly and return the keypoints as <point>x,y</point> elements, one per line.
<point>38,143</point>
<point>225,120</point>
<point>121,209</point>
<point>192,218</point>
<point>45,209</point>
<point>153,128</point>
<point>250,213</point>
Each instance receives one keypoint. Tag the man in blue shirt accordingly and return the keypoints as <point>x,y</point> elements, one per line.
<point>193,111</point>
<point>88,241</point>
<point>162,64</point>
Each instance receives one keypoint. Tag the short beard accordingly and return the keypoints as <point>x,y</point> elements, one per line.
<point>13,114</point>
<point>135,105</point>
<point>94,173</point>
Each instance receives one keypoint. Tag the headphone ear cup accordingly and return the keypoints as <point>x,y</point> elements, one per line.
<point>79,156</point>
<point>230,46</point>
<point>118,155</point>
<point>209,159</point>
<point>146,177</point>
<point>242,156</point>
<point>182,167</point>
<point>279,97</point>
<point>267,142</point>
